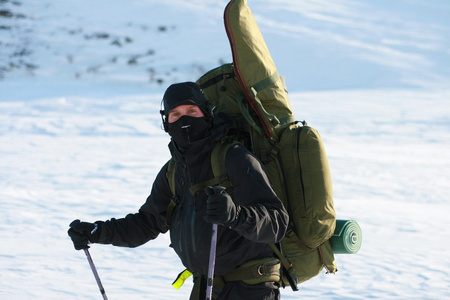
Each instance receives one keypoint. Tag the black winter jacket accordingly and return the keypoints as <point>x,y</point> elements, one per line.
<point>266,219</point>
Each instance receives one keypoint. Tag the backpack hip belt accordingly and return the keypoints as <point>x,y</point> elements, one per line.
<point>251,272</point>
<point>256,271</point>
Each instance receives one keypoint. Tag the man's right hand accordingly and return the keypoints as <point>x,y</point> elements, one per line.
<point>83,233</point>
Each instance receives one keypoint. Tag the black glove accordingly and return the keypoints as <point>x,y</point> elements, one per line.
<point>83,233</point>
<point>220,208</point>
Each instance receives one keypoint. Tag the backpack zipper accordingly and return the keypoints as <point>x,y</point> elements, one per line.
<point>300,167</point>
<point>218,78</point>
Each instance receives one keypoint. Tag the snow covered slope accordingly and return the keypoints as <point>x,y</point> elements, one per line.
<point>318,44</point>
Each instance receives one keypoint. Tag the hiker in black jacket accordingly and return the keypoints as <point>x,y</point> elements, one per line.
<point>253,217</point>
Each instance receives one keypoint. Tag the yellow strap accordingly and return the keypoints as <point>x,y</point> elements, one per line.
<point>181,279</point>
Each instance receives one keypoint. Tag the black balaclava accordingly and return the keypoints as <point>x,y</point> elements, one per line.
<point>186,129</point>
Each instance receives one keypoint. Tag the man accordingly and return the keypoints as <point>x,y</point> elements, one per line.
<point>253,217</point>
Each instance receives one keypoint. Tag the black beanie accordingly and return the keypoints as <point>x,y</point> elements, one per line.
<point>185,93</point>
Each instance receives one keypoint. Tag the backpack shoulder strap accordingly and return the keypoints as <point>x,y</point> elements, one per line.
<point>171,178</point>
<point>170,174</point>
<point>219,170</point>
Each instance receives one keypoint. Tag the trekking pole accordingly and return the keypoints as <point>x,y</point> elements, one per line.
<point>94,270</point>
<point>212,262</point>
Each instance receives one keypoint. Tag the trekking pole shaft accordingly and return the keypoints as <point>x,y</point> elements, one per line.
<point>212,262</point>
<point>94,270</point>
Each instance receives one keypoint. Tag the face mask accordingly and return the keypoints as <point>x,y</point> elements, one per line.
<point>187,130</point>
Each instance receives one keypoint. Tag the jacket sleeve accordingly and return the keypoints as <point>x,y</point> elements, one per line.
<point>138,228</point>
<point>265,220</point>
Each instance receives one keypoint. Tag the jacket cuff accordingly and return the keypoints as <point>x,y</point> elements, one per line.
<point>242,216</point>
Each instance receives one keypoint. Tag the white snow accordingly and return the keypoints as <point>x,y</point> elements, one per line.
<point>80,136</point>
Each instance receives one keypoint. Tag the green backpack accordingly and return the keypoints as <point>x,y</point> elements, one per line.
<point>251,91</point>
<point>298,169</point>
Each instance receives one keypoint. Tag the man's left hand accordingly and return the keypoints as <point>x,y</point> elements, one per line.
<point>220,208</point>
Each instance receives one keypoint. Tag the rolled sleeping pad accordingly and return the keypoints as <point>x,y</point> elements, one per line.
<point>347,237</point>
